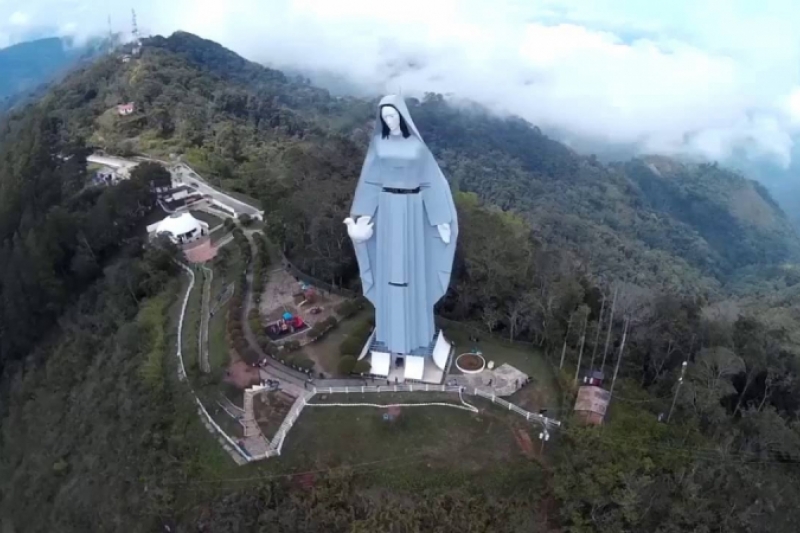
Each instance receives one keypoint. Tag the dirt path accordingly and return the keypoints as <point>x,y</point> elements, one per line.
<point>524,441</point>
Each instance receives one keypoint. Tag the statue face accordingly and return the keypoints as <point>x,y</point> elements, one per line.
<point>391,117</point>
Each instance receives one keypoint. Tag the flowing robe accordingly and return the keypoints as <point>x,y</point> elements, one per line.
<point>405,266</point>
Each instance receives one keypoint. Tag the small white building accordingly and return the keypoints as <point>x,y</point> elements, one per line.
<point>181,228</point>
<point>126,109</point>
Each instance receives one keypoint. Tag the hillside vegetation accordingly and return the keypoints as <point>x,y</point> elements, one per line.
<point>97,434</point>
<point>687,228</point>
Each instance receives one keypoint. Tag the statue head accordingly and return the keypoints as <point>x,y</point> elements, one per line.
<point>392,122</point>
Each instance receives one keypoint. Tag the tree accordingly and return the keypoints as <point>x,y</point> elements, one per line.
<point>153,174</point>
<point>346,364</point>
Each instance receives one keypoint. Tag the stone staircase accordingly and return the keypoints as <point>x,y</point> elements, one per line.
<point>251,428</point>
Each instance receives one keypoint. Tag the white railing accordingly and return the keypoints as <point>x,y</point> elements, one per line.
<point>182,370</point>
<point>549,422</point>
<point>179,354</point>
<point>288,422</point>
<point>276,445</point>
<point>222,207</point>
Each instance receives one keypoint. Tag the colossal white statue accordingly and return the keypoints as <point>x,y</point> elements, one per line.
<point>404,229</point>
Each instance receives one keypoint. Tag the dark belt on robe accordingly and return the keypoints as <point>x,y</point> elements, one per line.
<point>401,191</point>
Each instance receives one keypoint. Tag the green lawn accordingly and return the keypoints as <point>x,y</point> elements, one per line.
<point>210,458</point>
<point>542,393</point>
<point>218,351</point>
<point>191,325</point>
<point>422,448</point>
<point>325,352</point>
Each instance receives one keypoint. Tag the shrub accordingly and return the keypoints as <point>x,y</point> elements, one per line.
<point>362,331</point>
<point>330,322</point>
<point>245,219</point>
<point>302,362</point>
<point>346,309</point>
<point>291,346</point>
<point>250,355</point>
<point>346,364</point>
<point>270,348</point>
<point>241,346</point>
<point>350,346</point>
<point>316,331</point>
<point>362,367</point>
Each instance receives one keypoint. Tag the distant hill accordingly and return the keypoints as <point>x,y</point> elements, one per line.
<point>652,221</point>
<point>26,66</point>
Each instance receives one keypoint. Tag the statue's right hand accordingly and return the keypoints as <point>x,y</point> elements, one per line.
<point>361,230</point>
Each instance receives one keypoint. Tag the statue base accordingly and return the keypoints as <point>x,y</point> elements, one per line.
<point>425,365</point>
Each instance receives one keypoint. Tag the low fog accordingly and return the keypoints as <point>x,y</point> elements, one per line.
<point>696,78</point>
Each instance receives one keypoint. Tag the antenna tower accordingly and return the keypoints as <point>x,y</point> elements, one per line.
<point>135,30</point>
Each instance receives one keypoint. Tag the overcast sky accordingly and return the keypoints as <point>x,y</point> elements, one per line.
<point>683,76</point>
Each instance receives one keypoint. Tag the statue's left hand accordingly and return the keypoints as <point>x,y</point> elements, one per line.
<point>360,231</point>
<point>444,232</point>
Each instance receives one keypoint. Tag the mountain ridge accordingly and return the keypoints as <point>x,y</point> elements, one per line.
<point>692,232</point>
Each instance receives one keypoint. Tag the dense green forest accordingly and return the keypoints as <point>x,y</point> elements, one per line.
<point>97,434</point>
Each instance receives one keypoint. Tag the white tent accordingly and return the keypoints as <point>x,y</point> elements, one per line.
<point>380,363</point>
<point>415,367</point>
<point>182,227</point>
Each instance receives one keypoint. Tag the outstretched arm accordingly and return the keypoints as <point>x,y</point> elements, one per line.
<point>437,198</point>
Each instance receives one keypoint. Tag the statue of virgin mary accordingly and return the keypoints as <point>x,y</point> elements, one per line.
<point>404,229</point>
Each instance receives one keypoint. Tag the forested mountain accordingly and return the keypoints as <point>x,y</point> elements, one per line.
<point>688,228</point>
<point>702,260</point>
<point>26,66</point>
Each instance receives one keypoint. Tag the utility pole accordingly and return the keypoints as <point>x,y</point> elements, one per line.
<point>619,357</point>
<point>580,352</point>
<point>564,348</point>
<point>608,335</point>
<point>597,334</point>
<point>677,389</point>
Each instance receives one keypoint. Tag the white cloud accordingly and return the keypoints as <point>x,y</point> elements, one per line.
<point>690,76</point>
<point>18,18</point>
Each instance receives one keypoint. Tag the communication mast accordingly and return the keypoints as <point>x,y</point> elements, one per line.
<point>137,43</point>
<point>135,30</point>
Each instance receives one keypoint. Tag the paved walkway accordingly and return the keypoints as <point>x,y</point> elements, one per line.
<point>504,380</point>
<point>205,314</point>
<point>254,441</point>
<point>274,369</point>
